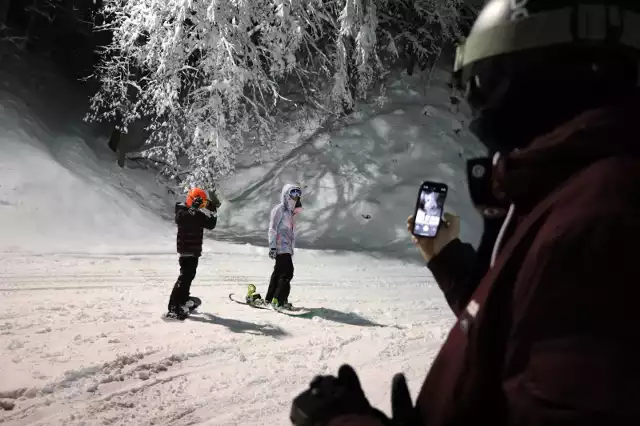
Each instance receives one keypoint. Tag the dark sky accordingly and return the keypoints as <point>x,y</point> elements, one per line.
<point>60,29</point>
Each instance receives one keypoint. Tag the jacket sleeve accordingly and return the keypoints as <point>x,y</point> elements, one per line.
<point>182,216</point>
<point>209,221</point>
<point>452,268</point>
<point>575,313</point>
<point>274,220</point>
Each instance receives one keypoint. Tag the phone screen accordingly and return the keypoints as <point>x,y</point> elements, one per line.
<point>429,209</point>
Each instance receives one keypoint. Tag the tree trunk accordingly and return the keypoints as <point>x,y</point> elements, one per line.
<point>36,24</point>
<point>114,140</point>
<point>121,157</point>
<point>352,75</point>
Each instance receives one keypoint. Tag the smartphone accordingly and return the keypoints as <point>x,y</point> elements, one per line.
<point>429,209</point>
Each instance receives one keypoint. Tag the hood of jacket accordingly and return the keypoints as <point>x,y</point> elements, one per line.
<point>180,206</point>
<point>285,197</point>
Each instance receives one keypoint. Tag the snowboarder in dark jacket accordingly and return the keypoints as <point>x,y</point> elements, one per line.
<point>192,217</point>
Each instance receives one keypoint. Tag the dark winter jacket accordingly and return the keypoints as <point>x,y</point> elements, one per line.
<point>191,224</point>
<point>547,335</point>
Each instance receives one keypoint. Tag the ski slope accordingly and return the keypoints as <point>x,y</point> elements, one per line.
<point>83,342</point>
<point>87,261</point>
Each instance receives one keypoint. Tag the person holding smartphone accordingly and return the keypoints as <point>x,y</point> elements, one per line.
<point>546,304</point>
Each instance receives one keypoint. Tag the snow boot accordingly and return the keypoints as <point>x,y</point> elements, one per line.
<point>181,312</point>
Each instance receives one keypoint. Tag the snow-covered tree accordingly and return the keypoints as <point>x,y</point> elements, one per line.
<point>206,77</point>
<point>418,29</point>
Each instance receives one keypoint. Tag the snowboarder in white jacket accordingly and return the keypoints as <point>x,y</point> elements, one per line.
<point>282,245</point>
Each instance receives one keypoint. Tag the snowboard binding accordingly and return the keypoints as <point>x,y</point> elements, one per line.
<point>252,297</point>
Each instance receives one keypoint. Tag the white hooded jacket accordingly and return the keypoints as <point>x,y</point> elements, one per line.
<point>282,223</point>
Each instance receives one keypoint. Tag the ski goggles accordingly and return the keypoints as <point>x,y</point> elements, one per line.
<point>295,193</point>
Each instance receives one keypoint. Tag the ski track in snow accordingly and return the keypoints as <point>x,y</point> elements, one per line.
<point>83,341</point>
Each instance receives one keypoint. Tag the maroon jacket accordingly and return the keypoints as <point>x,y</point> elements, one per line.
<point>548,334</point>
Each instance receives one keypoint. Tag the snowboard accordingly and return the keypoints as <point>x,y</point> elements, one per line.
<point>295,312</point>
<point>196,303</point>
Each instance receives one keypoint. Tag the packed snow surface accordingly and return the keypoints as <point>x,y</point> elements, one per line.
<point>87,261</point>
<point>83,341</point>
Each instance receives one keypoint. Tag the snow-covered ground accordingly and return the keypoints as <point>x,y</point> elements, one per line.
<point>83,342</point>
<point>87,261</point>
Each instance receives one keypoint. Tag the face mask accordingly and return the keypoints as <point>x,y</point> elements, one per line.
<point>291,203</point>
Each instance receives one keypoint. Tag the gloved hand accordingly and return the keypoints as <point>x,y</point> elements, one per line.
<point>209,206</point>
<point>214,201</point>
<point>329,397</point>
<point>197,203</point>
<point>272,253</point>
<point>430,247</point>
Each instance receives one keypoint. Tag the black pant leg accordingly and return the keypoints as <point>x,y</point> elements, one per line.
<point>182,287</point>
<point>287,276</point>
<point>275,277</point>
<point>284,281</point>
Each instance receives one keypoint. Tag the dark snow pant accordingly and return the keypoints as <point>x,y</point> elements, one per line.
<point>182,287</point>
<point>280,284</point>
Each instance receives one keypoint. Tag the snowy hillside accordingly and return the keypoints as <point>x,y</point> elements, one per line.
<point>361,176</point>
<point>59,185</point>
<point>87,263</point>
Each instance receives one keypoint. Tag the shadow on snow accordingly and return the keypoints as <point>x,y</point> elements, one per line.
<point>347,318</point>
<point>238,326</point>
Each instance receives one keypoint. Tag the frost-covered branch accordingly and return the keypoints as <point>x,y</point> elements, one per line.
<point>212,78</point>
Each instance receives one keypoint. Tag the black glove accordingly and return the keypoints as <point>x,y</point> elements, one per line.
<point>329,397</point>
<point>402,410</point>
<point>197,203</point>
<point>273,253</point>
<point>214,202</point>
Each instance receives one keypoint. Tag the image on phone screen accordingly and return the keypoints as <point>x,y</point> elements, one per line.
<point>430,209</point>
